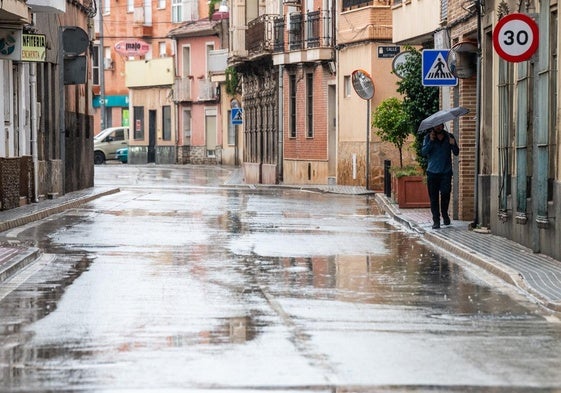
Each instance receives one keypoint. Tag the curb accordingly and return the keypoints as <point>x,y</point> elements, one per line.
<point>48,211</point>
<point>24,258</point>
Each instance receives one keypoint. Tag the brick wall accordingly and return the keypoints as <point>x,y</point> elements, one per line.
<point>464,29</point>
<point>303,147</point>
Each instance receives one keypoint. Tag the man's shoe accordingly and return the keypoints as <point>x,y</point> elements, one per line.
<point>436,226</point>
<point>446,220</point>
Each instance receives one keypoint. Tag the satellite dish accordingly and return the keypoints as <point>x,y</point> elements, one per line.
<point>363,84</point>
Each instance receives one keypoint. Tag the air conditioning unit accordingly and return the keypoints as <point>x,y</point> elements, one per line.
<point>107,63</point>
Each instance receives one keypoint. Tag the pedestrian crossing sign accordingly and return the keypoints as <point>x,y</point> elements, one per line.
<point>435,68</point>
<point>236,116</point>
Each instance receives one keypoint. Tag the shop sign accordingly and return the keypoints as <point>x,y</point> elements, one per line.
<point>132,47</point>
<point>34,47</point>
<point>10,44</point>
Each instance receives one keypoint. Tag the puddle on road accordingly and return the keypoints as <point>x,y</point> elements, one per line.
<point>407,274</point>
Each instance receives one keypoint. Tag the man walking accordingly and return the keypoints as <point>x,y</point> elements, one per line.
<point>437,147</point>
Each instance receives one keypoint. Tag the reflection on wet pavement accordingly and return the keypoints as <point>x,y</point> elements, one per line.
<point>225,288</point>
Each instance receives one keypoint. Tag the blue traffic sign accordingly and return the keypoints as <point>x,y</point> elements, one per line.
<point>435,68</point>
<point>236,116</point>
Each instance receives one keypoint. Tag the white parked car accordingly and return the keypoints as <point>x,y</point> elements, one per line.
<point>108,141</point>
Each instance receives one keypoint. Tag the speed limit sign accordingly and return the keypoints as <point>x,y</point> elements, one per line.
<point>516,37</point>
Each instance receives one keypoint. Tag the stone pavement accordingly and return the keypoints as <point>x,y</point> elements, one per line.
<point>535,274</point>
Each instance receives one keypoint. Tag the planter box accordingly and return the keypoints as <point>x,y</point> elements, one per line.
<point>410,191</point>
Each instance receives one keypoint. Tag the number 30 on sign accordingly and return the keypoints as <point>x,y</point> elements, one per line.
<point>516,37</point>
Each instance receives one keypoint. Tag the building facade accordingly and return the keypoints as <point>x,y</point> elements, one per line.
<point>304,51</point>
<point>46,149</point>
<point>364,42</point>
<point>508,174</point>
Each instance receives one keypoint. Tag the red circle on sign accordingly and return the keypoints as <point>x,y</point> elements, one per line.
<point>516,37</point>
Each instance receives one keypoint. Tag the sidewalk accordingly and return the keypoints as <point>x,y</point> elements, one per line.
<point>16,257</point>
<point>536,274</point>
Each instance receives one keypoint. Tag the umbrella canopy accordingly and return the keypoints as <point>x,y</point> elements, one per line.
<point>441,117</point>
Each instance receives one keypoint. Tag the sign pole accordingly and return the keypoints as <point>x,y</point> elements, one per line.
<point>101,62</point>
<point>364,87</point>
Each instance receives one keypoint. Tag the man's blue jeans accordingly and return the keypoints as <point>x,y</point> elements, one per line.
<point>440,187</point>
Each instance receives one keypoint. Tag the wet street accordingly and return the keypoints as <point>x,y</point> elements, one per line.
<point>181,283</point>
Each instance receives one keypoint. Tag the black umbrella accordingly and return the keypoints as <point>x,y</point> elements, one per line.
<point>441,117</point>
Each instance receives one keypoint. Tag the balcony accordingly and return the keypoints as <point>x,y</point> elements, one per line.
<point>308,38</point>
<point>371,22</point>
<point>52,6</point>
<point>259,36</point>
<point>150,73</point>
<point>417,20</point>
<point>182,90</point>
<point>207,90</point>
<point>142,22</point>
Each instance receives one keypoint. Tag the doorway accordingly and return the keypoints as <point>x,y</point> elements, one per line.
<point>152,116</point>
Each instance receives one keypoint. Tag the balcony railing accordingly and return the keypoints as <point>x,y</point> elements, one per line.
<point>182,90</point>
<point>259,36</point>
<point>207,90</point>
<point>305,31</point>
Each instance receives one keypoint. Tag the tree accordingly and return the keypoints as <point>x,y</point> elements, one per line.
<point>393,124</point>
<point>419,102</point>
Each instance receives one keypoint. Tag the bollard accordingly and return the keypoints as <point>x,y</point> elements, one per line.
<point>387,178</point>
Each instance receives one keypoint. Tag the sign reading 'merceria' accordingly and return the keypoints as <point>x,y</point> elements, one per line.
<point>34,47</point>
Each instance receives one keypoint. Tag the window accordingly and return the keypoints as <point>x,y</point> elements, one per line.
<point>130,6</point>
<point>166,123</point>
<point>209,47</point>
<point>161,4</point>
<point>292,106</point>
<point>95,65</point>
<point>176,11</point>
<point>162,50</point>
<point>210,132</point>
<point>186,62</point>
<point>347,86</point>
<point>231,131</point>
<point>138,122</point>
<point>310,105</point>
<point>106,7</point>
<point>107,62</point>
<point>187,126</point>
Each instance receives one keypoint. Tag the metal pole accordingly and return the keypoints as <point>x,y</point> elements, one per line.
<point>477,119</point>
<point>34,119</point>
<point>368,144</point>
<point>62,109</point>
<point>101,69</point>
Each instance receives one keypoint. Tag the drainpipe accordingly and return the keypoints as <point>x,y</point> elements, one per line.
<point>541,123</point>
<point>477,117</point>
<point>62,112</point>
<point>522,143</point>
<point>34,119</point>
<point>281,127</point>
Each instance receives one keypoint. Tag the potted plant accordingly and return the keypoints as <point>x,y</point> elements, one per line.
<point>393,125</point>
